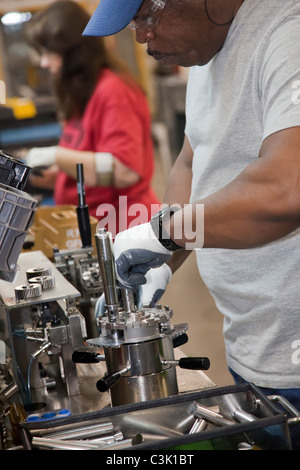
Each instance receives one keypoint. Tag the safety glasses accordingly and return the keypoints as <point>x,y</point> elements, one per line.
<point>148,18</point>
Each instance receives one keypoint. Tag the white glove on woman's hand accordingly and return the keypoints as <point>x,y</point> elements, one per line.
<point>137,250</point>
<point>151,292</point>
<point>44,156</point>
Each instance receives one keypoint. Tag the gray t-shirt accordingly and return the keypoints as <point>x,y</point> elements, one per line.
<point>248,91</point>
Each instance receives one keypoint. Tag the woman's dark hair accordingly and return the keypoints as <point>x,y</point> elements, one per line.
<point>59,29</point>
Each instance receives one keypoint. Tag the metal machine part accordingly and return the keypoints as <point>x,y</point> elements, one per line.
<point>37,271</point>
<point>16,213</point>
<point>81,267</point>
<point>171,424</point>
<point>82,209</point>
<point>43,327</point>
<point>46,282</point>
<point>28,291</point>
<point>138,343</point>
<point>8,389</point>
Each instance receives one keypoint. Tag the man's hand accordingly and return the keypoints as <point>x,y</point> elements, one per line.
<point>147,295</point>
<point>157,280</point>
<point>137,250</point>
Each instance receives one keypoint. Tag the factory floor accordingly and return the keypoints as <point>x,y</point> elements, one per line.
<point>192,303</point>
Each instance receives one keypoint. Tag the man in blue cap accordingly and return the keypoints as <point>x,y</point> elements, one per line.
<point>181,33</point>
<point>240,162</point>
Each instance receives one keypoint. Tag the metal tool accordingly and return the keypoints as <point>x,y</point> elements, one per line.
<point>82,209</point>
<point>138,343</point>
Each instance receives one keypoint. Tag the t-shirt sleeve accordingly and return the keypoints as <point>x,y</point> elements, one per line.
<point>280,78</point>
<point>121,125</point>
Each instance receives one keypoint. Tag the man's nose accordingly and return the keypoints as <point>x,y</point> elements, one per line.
<point>143,35</point>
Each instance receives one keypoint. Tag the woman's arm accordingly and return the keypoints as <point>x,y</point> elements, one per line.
<point>121,175</point>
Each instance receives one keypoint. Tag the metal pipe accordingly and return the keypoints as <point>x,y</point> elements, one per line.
<point>146,427</point>
<point>43,348</point>
<point>118,436</point>
<point>243,416</point>
<point>128,300</point>
<point>84,432</point>
<point>198,426</point>
<point>120,445</point>
<point>50,443</point>
<point>8,392</point>
<point>107,268</point>
<point>201,411</point>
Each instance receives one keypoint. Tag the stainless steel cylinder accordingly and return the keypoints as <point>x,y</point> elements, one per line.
<point>148,378</point>
<point>144,387</point>
<point>107,269</point>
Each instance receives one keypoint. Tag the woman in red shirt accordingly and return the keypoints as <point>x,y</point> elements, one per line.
<point>106,122</point>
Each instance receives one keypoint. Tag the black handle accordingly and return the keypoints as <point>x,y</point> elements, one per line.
<point>83,210</point>
<point>194,363</point>
<point>107,382</point>
<point>180,340</point>
<point>85,357</point>
<point>84,226</point>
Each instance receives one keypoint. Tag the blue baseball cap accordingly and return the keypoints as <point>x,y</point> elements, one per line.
<point>111,16</point>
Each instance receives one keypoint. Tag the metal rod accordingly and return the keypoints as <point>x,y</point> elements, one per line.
<point>128,300</point>
<point>201,411</point>
<point>118,436</point>
<point>80,185</point>
<point>150,427</point>
<point>82,210</point>
<point>84,432</point>
<point>50,443</point>
<point>107,268</point>
<point>198,426</point>
<point>243,416</point>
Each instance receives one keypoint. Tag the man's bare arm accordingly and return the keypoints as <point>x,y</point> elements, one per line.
<point>261,205</point>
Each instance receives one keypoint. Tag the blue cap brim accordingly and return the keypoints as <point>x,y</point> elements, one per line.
<point>111,16</point>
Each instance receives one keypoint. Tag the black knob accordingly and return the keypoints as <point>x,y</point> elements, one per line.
<point>194,363</point>
<point>107,382</point>
<point>180,340</point>
<point>85,357</point>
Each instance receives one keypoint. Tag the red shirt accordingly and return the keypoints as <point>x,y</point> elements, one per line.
<point>116,120</point>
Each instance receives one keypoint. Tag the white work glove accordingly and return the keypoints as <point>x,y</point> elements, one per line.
<point>137,250</point>
<point>157,280</point>
<point>44,156</point>
<point>147,294</point>
<point>100,307</point>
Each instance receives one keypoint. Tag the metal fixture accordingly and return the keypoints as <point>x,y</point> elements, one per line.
<point>138,343</point>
